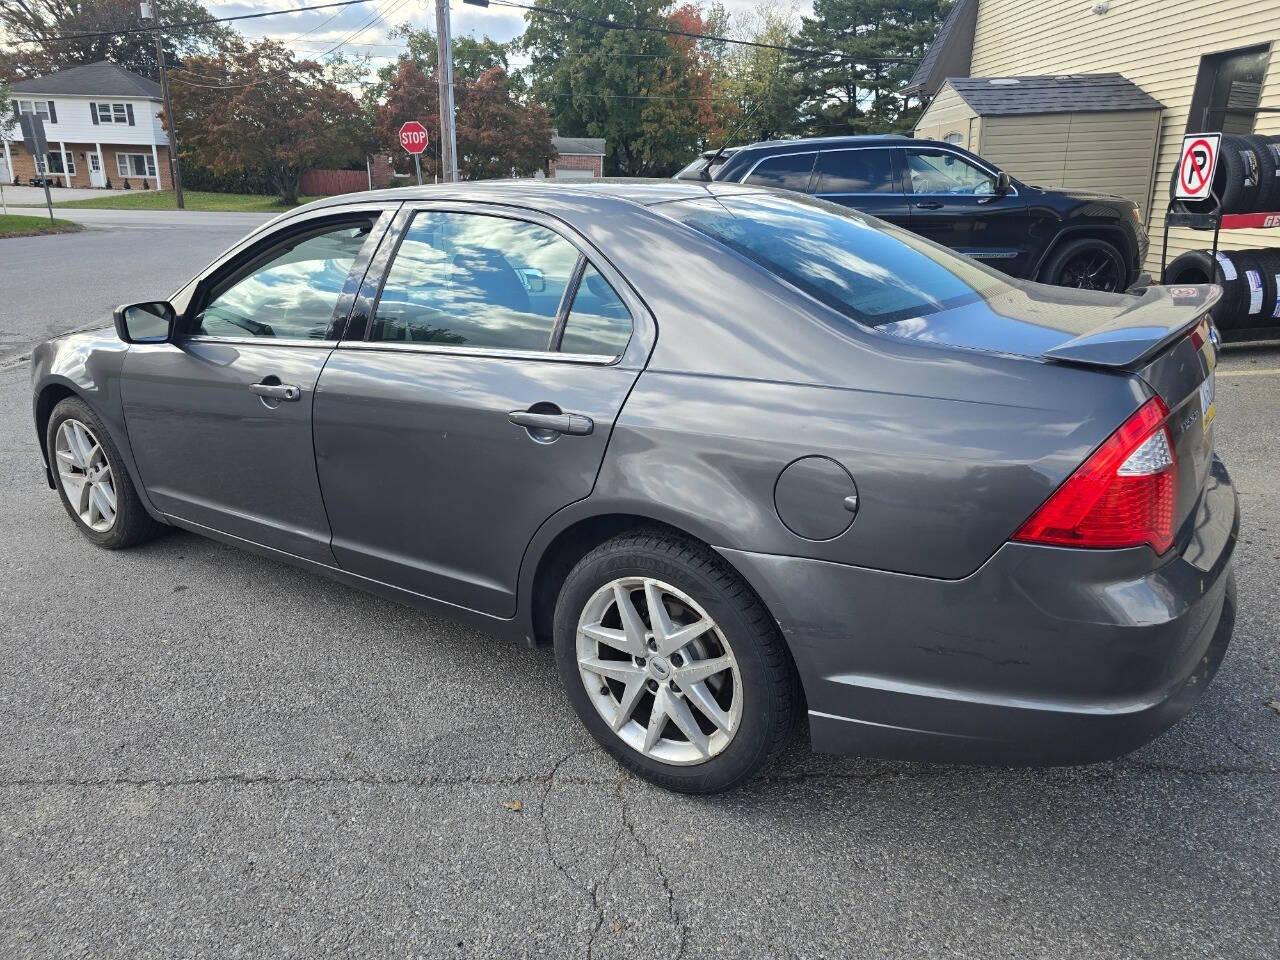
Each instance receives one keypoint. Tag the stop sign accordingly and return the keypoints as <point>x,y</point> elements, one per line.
<point>413,137</point>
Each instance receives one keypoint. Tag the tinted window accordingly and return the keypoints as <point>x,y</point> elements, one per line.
<point>856,171</point>
<point>940,171</point>
<point>476,281</point>
<point>870,271</point>
<point>789,172</point>
<point>599,322</point>
<point>289,291</point>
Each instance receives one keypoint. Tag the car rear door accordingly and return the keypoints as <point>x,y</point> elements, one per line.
<point>953,201</point>
<point>864,178</point>
<point>473,398</point>
<point>219,419</point>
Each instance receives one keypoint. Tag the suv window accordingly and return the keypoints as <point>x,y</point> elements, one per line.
<point>856,171</point>
<point>599,323</point>
<point>475,280</point>
<point>941,171</point>
<point>870,271</point>
<point>290,290</point>
<point>788,171</point>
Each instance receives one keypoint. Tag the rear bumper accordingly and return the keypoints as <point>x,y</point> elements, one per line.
<point>1044,655</point>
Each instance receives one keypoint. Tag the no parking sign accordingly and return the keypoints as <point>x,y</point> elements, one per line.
<point>1196,164</point>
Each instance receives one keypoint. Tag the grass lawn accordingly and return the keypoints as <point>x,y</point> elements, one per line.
<point>16,226</point>
<point>195,200</point>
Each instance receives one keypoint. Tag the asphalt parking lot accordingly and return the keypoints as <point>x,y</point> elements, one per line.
<point>206,753</point>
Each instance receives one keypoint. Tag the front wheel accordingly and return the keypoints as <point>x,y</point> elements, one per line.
<point>1087,264</point>
<point>673,664</point>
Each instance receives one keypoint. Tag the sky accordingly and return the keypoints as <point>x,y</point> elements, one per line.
<point>362,29</point>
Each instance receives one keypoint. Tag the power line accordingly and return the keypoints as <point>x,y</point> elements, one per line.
<point>673,32</point>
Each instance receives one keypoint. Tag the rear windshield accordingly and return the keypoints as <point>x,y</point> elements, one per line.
<point>871,271</point>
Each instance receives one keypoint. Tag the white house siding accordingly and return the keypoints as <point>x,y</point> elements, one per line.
<point>1157,44</point>
<point>75,126</point>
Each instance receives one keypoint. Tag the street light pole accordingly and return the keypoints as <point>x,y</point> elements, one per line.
<point>150,10</point>
<point>444,73</point>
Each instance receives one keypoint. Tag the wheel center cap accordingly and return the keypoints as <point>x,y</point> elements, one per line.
<point>659,669</point>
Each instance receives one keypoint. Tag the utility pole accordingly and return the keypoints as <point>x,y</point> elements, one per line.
<point>444,72</point>
<point>150,10</point>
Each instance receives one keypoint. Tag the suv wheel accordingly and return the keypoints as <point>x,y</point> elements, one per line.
<point>1087,264</point>
<point>673,664</point>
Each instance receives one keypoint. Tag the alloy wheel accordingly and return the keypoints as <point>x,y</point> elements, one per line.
<point>85,472</point>
<point>659,671</point>
<point>1091,269</point>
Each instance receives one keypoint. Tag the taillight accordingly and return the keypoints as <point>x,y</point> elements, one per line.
<point>1122,496</point>
<point>1199,334</point>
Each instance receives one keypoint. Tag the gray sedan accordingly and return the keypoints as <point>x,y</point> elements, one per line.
<point>746,460</point>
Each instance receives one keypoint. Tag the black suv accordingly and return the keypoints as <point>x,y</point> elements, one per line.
<point>935,189</point>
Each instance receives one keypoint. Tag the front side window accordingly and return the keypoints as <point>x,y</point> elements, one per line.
<point>870,271</point>
<point>289,291</point>
<point>856,171</point>
<point>474,280</point>
<point>790,171</point>
<point>940,171</point>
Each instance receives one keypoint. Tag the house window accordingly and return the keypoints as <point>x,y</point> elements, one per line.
<point>57,164</point>
<point>1228,89</point>
<point>39,107</point>
<point>112,113</point>
<point>135,165</point>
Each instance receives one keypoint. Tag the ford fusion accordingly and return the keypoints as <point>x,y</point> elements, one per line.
<point>745,459</point>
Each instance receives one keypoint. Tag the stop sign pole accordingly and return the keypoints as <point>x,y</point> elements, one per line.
<point>413,137</point>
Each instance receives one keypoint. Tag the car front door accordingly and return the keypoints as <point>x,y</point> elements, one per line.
<point>864,178</point>
<point>474,398</point>
<point>783,171</point>
<point>219,419</point>
<point>953,201</point>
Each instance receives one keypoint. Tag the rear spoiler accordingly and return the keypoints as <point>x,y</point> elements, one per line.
<point>1161,316</point>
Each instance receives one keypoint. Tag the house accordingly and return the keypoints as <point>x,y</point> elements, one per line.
<point>1207,66</point>
<point>580,157</point>
<point>102,123</point>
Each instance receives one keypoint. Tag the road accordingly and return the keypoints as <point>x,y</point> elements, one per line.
<point>206,753</point>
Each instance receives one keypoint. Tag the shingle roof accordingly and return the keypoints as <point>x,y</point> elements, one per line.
<point>949,53</point>
<point>1083,92</point>
<point>591,146</point>
<point>92,79</point>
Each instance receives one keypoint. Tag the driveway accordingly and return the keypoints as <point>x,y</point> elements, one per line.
<point>207,753</point>
<point>34,196</point>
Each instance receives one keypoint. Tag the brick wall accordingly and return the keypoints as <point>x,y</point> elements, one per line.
<point>24,165</point>
<point>575,161</point>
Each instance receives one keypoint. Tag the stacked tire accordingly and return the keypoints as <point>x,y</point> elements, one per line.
<point>1247,177</point>
<point>1250,281</point>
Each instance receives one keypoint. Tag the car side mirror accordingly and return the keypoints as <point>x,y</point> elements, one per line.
<point>1003,185</point>
<point>150,322</point>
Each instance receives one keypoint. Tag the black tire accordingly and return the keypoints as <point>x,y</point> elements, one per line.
<point>1269,261</point>
<point>132,524</point>
<point>769,685</point>
<point>1267,151</point>
<point>1235,180</point>
<point>1077,263</point>
<point>1201,266</point>
<point>1255,289</point>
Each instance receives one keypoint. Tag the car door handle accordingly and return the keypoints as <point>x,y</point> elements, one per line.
<point>574,424</point>
<point>276,391</point>
<point>929,204</point>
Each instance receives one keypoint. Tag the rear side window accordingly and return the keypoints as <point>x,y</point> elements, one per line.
<point>475,280</point>
<point>789,171</point>
<point>870,271</point>
<point>598,323</point>
<point>856,171</point>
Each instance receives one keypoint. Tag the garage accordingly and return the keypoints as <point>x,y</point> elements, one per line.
<point>1088,131</point>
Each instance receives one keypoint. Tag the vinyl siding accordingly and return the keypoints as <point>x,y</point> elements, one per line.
<point>948,114</point>
<point>75,123</point>
<point>1155,43</point>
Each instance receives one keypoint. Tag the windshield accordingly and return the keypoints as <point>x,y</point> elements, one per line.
<point>870,271</point>
<point>693,171</point>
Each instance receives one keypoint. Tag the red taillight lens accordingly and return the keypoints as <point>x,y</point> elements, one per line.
<point>1122,496</point>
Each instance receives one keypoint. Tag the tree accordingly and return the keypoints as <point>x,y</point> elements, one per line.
<point>256,107</point>
<point>647,94</point>
<point>851,87</point>
<point>757,80</point>
<point>31,27</point>
<point>471,57</point>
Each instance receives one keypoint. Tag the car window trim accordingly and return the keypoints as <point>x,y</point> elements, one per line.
<point>895,168</point>
<point>262,242</point>
<point>971,160</point>
<point>566,304</point>
<point>401,224</point>
<point>774,156</point>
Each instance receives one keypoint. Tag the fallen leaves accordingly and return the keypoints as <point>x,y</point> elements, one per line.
<point>1274,705</point>
<point>515,806</point>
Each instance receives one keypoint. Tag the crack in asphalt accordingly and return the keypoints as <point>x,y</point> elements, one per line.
<point>656,861</point>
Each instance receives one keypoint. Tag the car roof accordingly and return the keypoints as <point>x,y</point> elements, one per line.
<point>811,142</point>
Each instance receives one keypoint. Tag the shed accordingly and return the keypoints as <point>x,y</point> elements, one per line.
<point>1095,131</point>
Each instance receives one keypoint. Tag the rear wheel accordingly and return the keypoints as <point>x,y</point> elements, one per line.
<point>1087,264</point>
<point>92,481</point>
<point>673,664</point>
